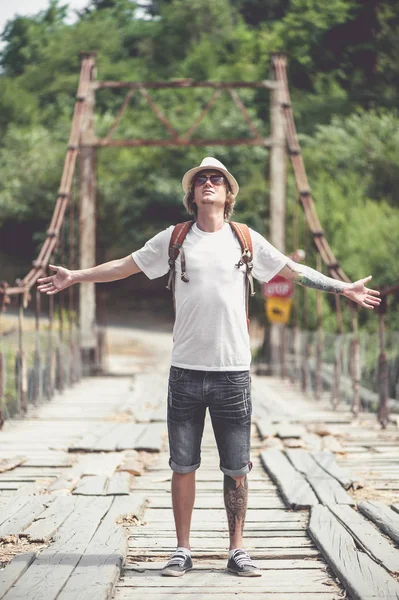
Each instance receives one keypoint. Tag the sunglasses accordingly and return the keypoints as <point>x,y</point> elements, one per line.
<point>214,179</point>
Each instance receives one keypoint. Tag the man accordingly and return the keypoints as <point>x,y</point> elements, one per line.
<point>211,353</point>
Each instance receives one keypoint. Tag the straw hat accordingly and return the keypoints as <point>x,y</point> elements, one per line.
<point>209,164</point>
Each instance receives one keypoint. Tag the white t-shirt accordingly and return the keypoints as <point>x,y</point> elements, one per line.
<point>210,331</point>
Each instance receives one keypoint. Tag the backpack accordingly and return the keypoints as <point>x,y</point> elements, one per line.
<point>178,236</point>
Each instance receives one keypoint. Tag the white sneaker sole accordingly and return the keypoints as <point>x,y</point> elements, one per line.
<point>245,574</point>
<point>175,573</point>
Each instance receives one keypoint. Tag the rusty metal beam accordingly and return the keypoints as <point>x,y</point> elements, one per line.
<point>266,142</point>
<point>215,96</point>
<point>158,112</point>
<point>120,114</point>
<point>184,83</point>
<point>241,107</point>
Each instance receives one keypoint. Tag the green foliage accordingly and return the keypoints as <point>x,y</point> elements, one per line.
<point>343,73</point>
<point>30,161</point>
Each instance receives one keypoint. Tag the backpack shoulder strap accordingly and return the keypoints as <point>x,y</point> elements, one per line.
<point>244,237</point>
<point>177,238</point>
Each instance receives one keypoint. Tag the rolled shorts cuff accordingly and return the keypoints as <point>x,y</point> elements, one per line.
<point>181,469</point>
<point>237,472</point>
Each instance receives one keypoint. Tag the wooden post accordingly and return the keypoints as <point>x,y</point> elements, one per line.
<point>356,368</point>
<point>278,176</point>
<point>383,410</point>
<point>87,236</point>
<point>319,342</point>
<point>336,387</point>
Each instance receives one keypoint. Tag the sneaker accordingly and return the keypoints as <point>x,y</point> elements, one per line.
<point>241,563</point>
<point>178,564</point>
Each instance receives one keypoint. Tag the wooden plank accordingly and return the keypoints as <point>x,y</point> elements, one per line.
<point>126,593</point>
<point>259,553</point>
<point>130,434</point>
<point>328,462</point>
<point>312,442</point>
<point>292,485</point>
<point>332,444</point>
<point>51,569</point>
<point>30,489</point>
<point>131,464</point>
<point>91,485</point>
<point>304,463</point>
<point>89,439</point>
<point>9,485</point>
<point>159,414</point>
<point>213,544</point>
<point>361,576</point>
<point>145,532</point>
<point>131,507</point>
<point>329,491</point>
<point>251,529</point>
<point>221,581</point>
<point>209,501</point>
<point>14,570</point>
<point>289,430</point>
<point>163,484</point>
<point>44,527</point>
<point>383,516</point>
<point>367,536</point>
<point>65,483</point>
<point>266,564</point>
<point>99,569</point>
<point>152,439</point>
<point>88,464</point>
<point>109,440</point>
<point>21,519</point>
<point>119,484</point>
<point>103,463</point>
<point>293,443</point>
<point>326,488</point>
<point>218,515</point>
<point>6,464</point>
<point>265,428</point>
<point>52,460</point>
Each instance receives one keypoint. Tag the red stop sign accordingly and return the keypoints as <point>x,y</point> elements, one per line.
<point>278,287</point>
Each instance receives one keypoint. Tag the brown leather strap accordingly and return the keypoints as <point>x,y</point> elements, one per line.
<point>175,246</point>
<point>244,237</point>
<point>178,236</point>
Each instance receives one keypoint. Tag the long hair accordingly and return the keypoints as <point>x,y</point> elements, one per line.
<point>192,208</point>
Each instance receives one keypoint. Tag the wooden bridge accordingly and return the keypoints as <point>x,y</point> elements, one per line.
<point>85,499</point>
<point>85,505</point>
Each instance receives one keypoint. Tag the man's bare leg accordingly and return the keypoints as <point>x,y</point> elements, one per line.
<point>235,501</point>
<point>183,496</point>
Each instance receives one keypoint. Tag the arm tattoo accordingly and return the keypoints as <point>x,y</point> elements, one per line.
<point>308,277</point>
<point>235,500</point>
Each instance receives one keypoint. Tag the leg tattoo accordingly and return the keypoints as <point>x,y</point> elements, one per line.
<point>235,500</point>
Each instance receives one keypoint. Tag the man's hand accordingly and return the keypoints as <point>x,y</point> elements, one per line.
<point>359,293</point>
<point>55,283</point>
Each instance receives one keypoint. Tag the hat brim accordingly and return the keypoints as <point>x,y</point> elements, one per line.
<point>188,177</point>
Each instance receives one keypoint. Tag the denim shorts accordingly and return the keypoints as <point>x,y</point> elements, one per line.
<point>227,394</point>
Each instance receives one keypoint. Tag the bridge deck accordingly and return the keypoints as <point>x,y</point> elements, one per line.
<point>62,508</point>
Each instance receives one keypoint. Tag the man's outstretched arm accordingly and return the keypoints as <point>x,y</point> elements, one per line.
<point>109,271</point>
<point>308,277</point>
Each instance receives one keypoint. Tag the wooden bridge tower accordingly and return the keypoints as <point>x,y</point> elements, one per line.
<point>89,143</point>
